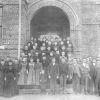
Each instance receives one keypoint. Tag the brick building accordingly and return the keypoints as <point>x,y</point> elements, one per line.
<point>81,18</point>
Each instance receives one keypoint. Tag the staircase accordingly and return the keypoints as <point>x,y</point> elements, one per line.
<point>29,89</point>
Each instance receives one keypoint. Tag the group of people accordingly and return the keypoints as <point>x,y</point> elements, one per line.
<point>79,75</point>
<point>50,64</point>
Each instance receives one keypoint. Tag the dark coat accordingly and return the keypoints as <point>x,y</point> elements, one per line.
<point>63,68</point>
<point>10,81</point>
<point>2,77</point>
<point>53,72</point>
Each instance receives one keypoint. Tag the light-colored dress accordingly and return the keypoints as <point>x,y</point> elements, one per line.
<point>38,68</point>
<point>23,75</point>
<point>31,75</point>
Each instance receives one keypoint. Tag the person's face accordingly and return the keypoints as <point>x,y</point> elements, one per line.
<point>2,62</point>
<point>49,43</point>
<point>26,47</point>
<point>8,58</point>
<point>34,47</point>
<point>63,54</point>
<point>29,54</point>
<point>16,61</point>
<point>57,52</point>
<point>55,48</point>
<point>74,61</point>
<point>32,39</point>
<point>94,61</point>
<point>22,54</point>
<point>51,54</point>
<point>68,38</point>
<point>37,60</point>
<point>98,62</point>
<point>48,48</point>
<point>10,63</point>
<point>44,58</point>
<point>43,44</point>
<point>29,44</point>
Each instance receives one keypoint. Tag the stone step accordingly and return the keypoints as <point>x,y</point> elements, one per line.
<point>29,91</point>
<point>29,86</point>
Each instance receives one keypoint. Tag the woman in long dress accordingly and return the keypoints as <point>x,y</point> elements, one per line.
<point>10,80</point>
<point>31,74</point>
<point>2,77</point>
<point>38,68</point>
<point>23,73</point>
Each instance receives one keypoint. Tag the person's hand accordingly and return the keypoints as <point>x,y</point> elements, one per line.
<point>5,78</point>
<point>89,77</point>
<point>57,77</point>
<point>67,76</point>
<point>14,78</point>
<point>49,76</point>
<point>27,71</point>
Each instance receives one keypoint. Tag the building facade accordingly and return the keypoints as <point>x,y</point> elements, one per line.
<point>82,16</point>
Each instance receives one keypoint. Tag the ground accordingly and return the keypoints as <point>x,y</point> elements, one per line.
<point>51,97</point>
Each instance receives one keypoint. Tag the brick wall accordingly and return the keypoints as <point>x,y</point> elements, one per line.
<point>90,14</point>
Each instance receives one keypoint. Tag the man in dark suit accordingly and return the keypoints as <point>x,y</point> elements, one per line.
<point>53,75</point>
<point>98,77</point>
<point>63,70</point>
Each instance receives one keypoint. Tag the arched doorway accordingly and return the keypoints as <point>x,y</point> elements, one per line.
<point>67,9</point>
<point>50,19</point>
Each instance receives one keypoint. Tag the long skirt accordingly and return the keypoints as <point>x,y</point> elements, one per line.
<point>1,83</point>
<point>22,79</point>
<point>10,85</point>
<point>31,77</point>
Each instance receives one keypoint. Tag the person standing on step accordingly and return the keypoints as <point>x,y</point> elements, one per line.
<point>53,75</point>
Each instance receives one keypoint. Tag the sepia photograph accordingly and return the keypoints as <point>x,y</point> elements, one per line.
<point>49,49</point>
